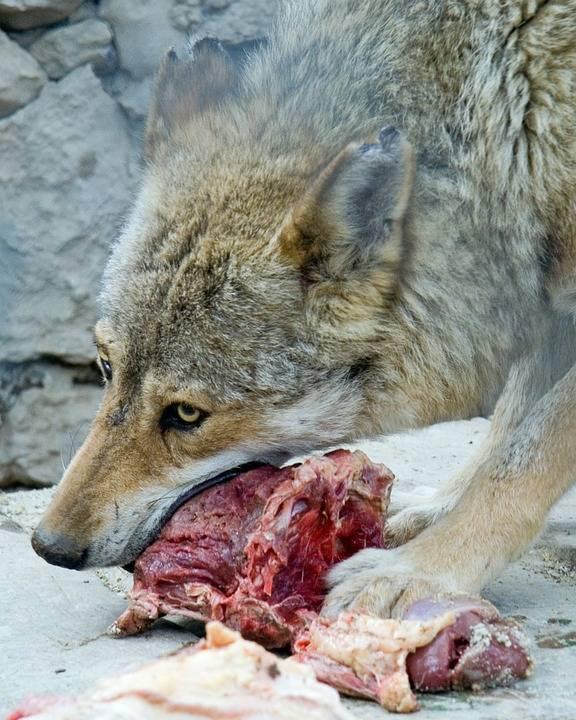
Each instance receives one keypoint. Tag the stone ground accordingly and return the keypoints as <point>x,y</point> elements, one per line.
<point>52,632</point>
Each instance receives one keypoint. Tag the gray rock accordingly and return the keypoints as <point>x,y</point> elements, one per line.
<point>66,178</point>
<point>21,78</point>
<point>216,4</point>
<point>134,98</point>
<point>45,416</point>
<point>25,14</point>
<point>239,20</point>
<point>25,38</point>
<point>186,15</point>
<point>60,51</point>
<point>142,31</point>
<point>86,11</point>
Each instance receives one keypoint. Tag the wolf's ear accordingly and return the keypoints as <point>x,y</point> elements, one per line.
<point>188,86</point>
<point>348,225</point>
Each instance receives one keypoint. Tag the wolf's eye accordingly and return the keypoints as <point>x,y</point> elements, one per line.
<point>106,367</point>
<point>181,416</point>
<point>187,413</point>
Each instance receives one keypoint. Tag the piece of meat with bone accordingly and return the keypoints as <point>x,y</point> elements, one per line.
<point>451,642</point>
<point>365,656</point>
<point>220,678</point>
<point>480,649</point>
<point>254,552</point>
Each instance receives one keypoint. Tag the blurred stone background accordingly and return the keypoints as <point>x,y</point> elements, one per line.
<point>75,81</point>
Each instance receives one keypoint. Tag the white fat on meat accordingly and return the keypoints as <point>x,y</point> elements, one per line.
<point>223,676</point>
<point>366,656</point>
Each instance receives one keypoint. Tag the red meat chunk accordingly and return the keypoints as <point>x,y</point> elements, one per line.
<point>480,649</point>
<point>254,551</point>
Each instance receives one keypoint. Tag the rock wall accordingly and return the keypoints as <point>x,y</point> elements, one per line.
<point>75,82</point>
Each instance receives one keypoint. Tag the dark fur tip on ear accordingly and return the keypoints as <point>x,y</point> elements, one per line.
<point>206,44</point>
<point>388,136</point>
<point>390,146</point>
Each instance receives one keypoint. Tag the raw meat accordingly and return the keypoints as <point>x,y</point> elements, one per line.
<point>366,656</point>
<point>449,642</point>
<point>222,677</point>
<point>225,676</point>
<point>480,649</point>
<point>254,552</point>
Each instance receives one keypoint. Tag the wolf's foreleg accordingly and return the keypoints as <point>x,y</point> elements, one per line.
<point>500,511</point>
<point>529,379</point>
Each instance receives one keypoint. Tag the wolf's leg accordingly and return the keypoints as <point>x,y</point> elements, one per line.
<point>501,510</point>
<point>529,379</point>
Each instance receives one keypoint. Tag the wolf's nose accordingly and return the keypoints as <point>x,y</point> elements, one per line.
<point>58,549</point>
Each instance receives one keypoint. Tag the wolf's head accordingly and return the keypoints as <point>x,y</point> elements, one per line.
<point>243,308</point>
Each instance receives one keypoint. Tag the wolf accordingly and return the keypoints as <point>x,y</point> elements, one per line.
<point>365,225</point>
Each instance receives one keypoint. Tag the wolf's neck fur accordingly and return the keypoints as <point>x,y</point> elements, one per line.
<point>471,289</point>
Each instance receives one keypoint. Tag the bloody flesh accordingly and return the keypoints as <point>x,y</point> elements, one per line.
<point>254,552</point>
<point>480,649</point>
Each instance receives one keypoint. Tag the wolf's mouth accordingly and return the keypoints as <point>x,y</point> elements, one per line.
<point>205,484</point>
<point>191,492</point>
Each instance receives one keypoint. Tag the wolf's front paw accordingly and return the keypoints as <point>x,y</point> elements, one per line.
<point>382,582</point>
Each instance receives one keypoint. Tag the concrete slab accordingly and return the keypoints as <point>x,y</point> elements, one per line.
<point>52,632</point>
<point>52,629</point>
